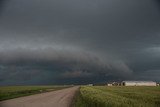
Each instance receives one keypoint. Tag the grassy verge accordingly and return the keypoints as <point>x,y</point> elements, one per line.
<point>118,97</point>
<point>9,92</point>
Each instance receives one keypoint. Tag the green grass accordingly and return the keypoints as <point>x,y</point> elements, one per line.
<point>8,92</point>
<point>103,96</point>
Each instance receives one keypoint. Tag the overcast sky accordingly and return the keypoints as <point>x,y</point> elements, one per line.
<point>79,41</point>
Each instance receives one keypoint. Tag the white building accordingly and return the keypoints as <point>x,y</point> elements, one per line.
<point>139,83</point>
<point>90,84</point>
<point>109,84</point>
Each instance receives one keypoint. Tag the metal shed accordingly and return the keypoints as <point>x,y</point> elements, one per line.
<point>138,83</point>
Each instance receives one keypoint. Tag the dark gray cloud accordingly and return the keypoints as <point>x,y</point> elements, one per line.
<point>25,64</point>
<point>2,3</point>
<point>74,40</point>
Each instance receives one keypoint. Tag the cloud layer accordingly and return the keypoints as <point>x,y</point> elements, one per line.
<point>66,63</point>
<point>78,41</point>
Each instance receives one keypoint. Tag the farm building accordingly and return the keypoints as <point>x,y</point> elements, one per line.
<point>109,84</point>
<point>90,84</point>
<point>139,83</point>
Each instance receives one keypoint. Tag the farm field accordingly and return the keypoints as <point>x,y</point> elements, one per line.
<point>8,92</point>
<point>103,96</point>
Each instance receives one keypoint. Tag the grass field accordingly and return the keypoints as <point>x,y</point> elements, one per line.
<point>8,92</point>
<point>103,96</point>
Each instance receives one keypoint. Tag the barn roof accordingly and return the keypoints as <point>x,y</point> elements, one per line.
<point>139,81</point>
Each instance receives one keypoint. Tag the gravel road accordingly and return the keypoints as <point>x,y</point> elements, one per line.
<point>60,98</point>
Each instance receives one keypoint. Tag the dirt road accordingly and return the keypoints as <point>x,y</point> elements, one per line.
<point>60,98</point>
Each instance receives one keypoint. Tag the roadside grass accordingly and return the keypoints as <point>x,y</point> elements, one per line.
<point>103,96</point>
<point>9,92</point>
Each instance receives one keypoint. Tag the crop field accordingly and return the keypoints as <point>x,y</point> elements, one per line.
<point>103,96</point>
<point>8,92</point>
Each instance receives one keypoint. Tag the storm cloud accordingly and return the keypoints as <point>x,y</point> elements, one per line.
<point>79,41</point>
<point>32,63</point>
